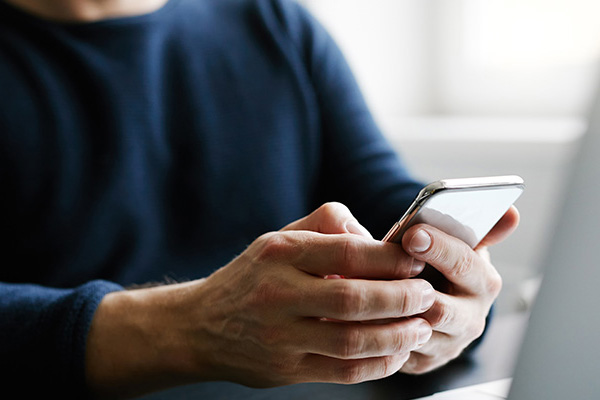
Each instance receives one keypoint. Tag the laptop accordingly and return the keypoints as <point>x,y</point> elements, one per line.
<point>560,354</point>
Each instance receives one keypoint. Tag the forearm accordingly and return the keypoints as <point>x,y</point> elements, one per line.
<point>138,342</point>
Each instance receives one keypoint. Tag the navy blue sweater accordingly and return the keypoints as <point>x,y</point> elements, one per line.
<point>161,145</point>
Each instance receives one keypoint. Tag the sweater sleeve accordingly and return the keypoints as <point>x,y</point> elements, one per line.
<point>360,167</point>
<point>43,334</point>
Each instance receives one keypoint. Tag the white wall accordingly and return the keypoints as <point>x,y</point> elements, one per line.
<point>515,57</point>
<point>472,87</point>
<point>386,43</point>
<point>469,57</point>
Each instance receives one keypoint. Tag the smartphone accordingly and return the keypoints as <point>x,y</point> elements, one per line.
<point>464,208</point>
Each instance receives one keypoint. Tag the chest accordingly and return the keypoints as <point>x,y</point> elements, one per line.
<point>109,163</point>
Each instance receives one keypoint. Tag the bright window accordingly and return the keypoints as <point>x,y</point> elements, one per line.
<point>518,34</point>
<point>519,58</point>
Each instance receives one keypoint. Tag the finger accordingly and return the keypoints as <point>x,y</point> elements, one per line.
<point>460,264</point>
<point>330,218</point>
<point>503,228</point>
<point>419,363</point>
<point>318,368</point>
<point>442,345</point>
<point>449,314</point>
<point>347,255</point>
<point>362,340</point>
<point>439,343</point>
<point>364,300</point>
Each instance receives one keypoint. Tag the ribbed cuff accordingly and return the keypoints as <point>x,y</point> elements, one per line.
<point>82,304</point>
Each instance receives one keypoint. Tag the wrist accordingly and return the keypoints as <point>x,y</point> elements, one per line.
<point>137,342</point>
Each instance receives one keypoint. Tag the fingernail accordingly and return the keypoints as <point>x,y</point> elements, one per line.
<point>420,242</point>
<point>357,229</point>
<point>428,298</point>
<point>424,333</point>
<point>417,267</point>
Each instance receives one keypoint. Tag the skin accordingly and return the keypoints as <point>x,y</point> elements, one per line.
<point>270,317</point>
<point>86,10</point>
<point>471,286</point>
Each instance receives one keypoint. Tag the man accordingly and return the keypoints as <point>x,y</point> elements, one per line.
<point>144,139</point>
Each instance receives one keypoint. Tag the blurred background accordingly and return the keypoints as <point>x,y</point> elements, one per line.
<point>470,88</point>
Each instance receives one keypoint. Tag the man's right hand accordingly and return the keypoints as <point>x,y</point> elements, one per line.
<point>269,317</point>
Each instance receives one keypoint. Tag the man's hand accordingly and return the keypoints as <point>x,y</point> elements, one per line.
<point>459,313</point>
<point>269,317</point>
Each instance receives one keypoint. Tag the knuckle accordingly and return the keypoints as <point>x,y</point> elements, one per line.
<point>400,341</point>
<point>425,364</point>
<point>402,265</point>
<point>333,208</point>
<point>460,259</point>
<point>406,302</point>
<point>271,337</point>
<point>350,300</point>
<point>352,372</point>
<point>272,290</point>
<point>265,292</point>
<point>391,364</point>
<point>283,367</point>
<point>350,257</point>
<point>351,343</point>
<point>439,253</point>
<point>464,264</point>
<point>440,316</point>
<point>403,359</point>
<point>273,246</point>
<point>351,254</point>
<point>387,366</point>
<point>409,297</point>
<point>455,353</point>
<point>476,329</point>
<point>494,283</point>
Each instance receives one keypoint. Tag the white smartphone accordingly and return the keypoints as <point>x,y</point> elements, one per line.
<point>464,208</point>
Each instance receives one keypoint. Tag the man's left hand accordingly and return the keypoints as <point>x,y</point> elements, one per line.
<point>459,313</point>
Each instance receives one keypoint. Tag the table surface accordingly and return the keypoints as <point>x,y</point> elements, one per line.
<point>493,359</point>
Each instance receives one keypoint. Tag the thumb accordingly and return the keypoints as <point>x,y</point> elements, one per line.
<point>330,218</point>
